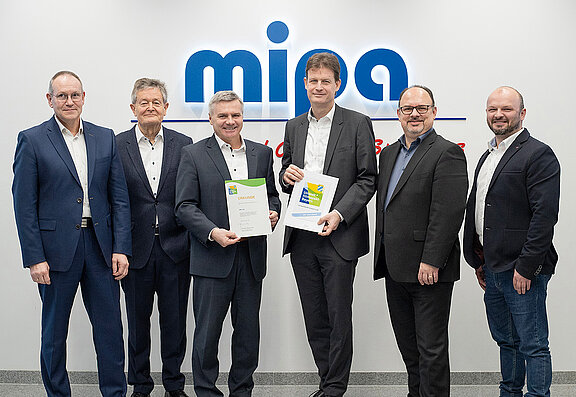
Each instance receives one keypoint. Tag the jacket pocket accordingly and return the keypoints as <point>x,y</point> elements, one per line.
<point>419,235</point>
<point>47,224</point>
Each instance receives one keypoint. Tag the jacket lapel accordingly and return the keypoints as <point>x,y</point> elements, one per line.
<point>335,131</point>
<point>510,152</point>
<point>215,154</point>
<point>167,157</point>
<point>55,136</point>
<point>251,159</point>
<point>386,169</point>
<point>418,155</point>
<point>300,142</point>
<point>136,158</point>
<point>90,140</point>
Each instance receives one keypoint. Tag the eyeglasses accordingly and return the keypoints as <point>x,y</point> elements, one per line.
<point>75,96</point>
<point>421,109</point>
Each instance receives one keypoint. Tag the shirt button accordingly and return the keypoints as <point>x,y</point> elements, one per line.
<point>79,200</point>
<point>77,227</point>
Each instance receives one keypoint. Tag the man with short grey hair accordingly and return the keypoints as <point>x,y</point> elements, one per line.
<point>227,270</point>
<point>150,154</point>
<point>73,218</point>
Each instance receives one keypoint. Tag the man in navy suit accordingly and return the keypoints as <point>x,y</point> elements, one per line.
<point>510,217</point>
<point>227,270</point>
<point>150,155</point>
<point>73,218</point>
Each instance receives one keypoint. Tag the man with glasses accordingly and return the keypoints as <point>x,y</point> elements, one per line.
<point>421,196</point>
<point>150,155</point>
<point>510,218</point>
<point>73,219</point>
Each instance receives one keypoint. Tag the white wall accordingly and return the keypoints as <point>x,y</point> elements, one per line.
<point>461,49</point>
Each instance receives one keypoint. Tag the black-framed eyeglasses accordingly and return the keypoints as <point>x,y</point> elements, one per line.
<point>421,109</point>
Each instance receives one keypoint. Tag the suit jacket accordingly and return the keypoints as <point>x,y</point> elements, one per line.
<point>425,212</point>
<point>521,210</point>
<point>145,207</point>
<point>351,157</point>
<point>48,195</point>
<point>201,205</point>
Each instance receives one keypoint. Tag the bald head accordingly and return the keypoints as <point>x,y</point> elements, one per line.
<point>505,112</point>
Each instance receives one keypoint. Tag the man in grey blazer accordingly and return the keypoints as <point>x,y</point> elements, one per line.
<point>227,270</point>
<point>338,142</point>
<point>150,155</point>
<point>422,186</point>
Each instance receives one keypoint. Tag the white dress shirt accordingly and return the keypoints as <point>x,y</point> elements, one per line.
<point>485,176</point>
<point>317,141</point>
<point>151,154</point>
<point>77,148</point>
<point>235,159</point>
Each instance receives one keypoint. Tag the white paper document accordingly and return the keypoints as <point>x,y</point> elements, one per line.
<point>310,200</point>
<point>248,207</point>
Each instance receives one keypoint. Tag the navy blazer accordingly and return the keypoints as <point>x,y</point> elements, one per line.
<point>201,205</point>
<point>425,212</point>
<point>144,206</point>
<point>48,195</point>
<point>521,210</point>
<point>351,157</point>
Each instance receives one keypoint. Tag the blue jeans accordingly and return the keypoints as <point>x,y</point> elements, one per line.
<point>519,325</point>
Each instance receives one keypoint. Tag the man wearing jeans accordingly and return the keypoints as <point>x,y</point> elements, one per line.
<point>511,213</point>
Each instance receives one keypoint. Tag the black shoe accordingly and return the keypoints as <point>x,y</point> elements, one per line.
<point>317,393</point>
<point>175,393</point>
<point>137,394</point>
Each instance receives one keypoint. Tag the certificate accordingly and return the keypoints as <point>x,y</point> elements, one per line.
<point>248,207</point>
<point>311,199</point>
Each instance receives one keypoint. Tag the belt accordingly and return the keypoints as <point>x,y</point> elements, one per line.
<point>156,230</point>
<point>86,222</point>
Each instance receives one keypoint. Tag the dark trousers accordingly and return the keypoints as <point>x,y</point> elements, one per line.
<point>325,284</point>
<point>171,283</point>
<point>419,316</point>
<point>101,296</point>
<point>211,299</point>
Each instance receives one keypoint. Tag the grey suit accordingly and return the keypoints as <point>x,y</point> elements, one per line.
<point>324,267</point>
<point>421,224</point>
<point>222,276</point>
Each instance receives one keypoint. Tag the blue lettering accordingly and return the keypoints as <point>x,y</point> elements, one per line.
<point>277,33</point>
<point>252,74</point>
<point>396,67</point>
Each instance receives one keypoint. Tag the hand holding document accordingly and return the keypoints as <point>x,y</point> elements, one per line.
<point>310,200</point>
<point>248,207</point>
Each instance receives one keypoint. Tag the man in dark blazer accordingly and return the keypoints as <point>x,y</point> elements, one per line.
<point>227,270</point>
<point>338,142</point>
<point>73,218</point>
<point>420,203</point>
<point>150,155</point>
<point>510,217</point>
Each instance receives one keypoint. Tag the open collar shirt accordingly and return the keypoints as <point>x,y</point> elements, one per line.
<point>485,176</point>
<point>77,147</point>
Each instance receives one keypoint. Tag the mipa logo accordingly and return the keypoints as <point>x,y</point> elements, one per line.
<point>251,66</point>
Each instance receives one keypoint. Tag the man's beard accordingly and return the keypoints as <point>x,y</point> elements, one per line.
<point>505,130</point>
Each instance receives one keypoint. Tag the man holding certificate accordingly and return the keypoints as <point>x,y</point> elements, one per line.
<point>227,270</point>
<point>338,142</point>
